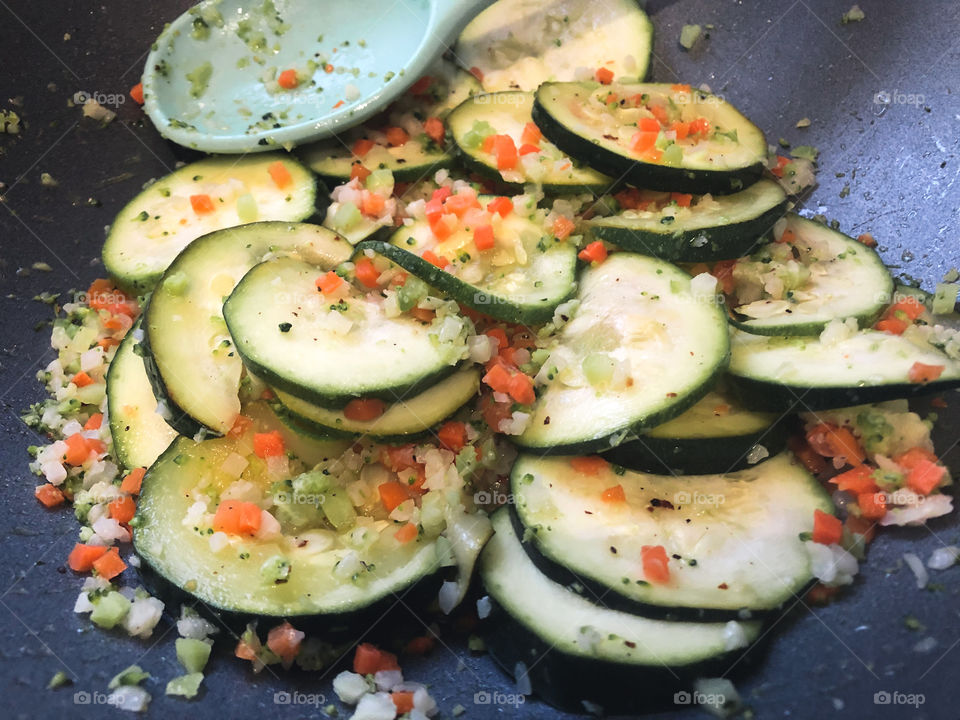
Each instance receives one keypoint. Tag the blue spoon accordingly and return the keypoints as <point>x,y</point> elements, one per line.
<point>214,80</point>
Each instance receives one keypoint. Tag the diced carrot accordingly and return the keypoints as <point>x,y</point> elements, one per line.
<point>827,529</point>
<point>433,126</point>
<point>680,87</point>
<point>453,435</point>
<point>288,79</point>
<point>372,204</point>
<point>498,378</point>
<point>614,494</point>
<point>521,389</point>
<point>700,126</point>
<point>361,147</point>
<point>604,76</point>
<point>861,526</point>
<point>403,701</point>
<point>420,645</point>
<point>109,565</point>
<point>432,258</point>
<point>399,457</point>
<point>589,464</point>
<point>392,493</point>
<point>894,326</point>
<point>909,306</point>
<point>531,134</point>
<point>527,149</point>
<point>646,124</point>
<point>832,441</point>
<point>279,174</point>
<point>284,641</point>
<point>477,73</point>
<point>244,651</point>
<point>82,379</point>
<point>494,412</point>
<point>50,495</point>
<point>655,564</point>
<point>682,129</point>
<point>366,272</point>
<point>595,252</point>
<point>487,144</point>
<point>93,422</point>
<point>500,335</point>
<point>483,237</point>
<point>77,450</point>
<point>202,204</point>
<point>652,155</point>
<point>359,172</point>
<point>132,481</point>
<point>921,373</point>
<point>406,533</point>
<point>396,136</point>
<point>787,236</point>
<point>461,203</point>
<point>925,476</point>
<point>857,480</point>
<point>329,283</point>
<point>642,141</point>
<point>421,86</point>
<point>369,660</point>
<point>867,239</point>
<point>913,457</point>
<point>502,206</point>
<point>328,68</point>
<point>122,509</point>
<point>339,103</point>
<point>240,426</point>
<point>681,199</point>
<point>82,556</point>
<point>235,517</point>
<point>873,506</point>
<point>660,113</point>
<point>98,447</point>
<point>364,409</point>
<point>424,315</point>
<point>136,93</point>
<point>563,227</point>
<point>782,162</point>
<point>506,152</point>
<point>268,444</point>
<point>441,194</point>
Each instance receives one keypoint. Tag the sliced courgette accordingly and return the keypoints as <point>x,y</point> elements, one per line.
<point>519,44</point>
<point>778,373</point>
<point>400,420</point>
<point>641,348</point>
<point>598,124</point>
<point>732,539</point>
<point>190,352</point>
<point>573,650</point>
<point>716,435</point>
<point>807,277</point>
<point>521,279</point>
<point>508,113</point>
<point>330,350</point>
<point>162,220</point>
<point>139,432</point>
<point>710,228</point>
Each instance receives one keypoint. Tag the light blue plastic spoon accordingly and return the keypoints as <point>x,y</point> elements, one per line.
<point>210,81</point>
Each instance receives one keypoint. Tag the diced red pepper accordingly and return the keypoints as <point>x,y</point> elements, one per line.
<point>132,481</point>
<point>453,435</point>
<point>595,252</point>
<point>873,506</point>
<point>202,204</point>
<point>364,409</point>
<point>109,565</point>
<point>682,199</point>
<point>235,517</point>
<point>359,172</point>
<point>857,481</point>
<point>369,660</point>
<point>268,444</point>
<point>483,237</point>
<point>329,283</point>
<point>122,509</point>
<point>656,567</point>
<point>366,273</point>
<point>642,141</point>
<point>372,204</point>
<point>406,533</point>
<point>502,206</point>
<point>614,494</point>
<point>136,93</point>
<point>646,124</point>
<point>434,128</point>
<point>396,136</point>
<point>922,373</point>
<point>280,174</point>
<point>361,147</point>
<point>50,495</point>
<point>531,134</point>
<point>392,494</point>
<point>82,556</point>
<point>925,476</point>
<point>288,79</point>
<point>604,76</point>
<point>827,529</point>
<point>432,258</point>
<point>82,379</point>
<point>506,152</point>
<point>589,464</point>
<point>521,389</point>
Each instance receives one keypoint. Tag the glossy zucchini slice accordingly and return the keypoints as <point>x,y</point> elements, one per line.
<point>539,162</point>
<point>807,277</point>
<point>732,539</point>
<point>722,152</point>
<point>190,353</point>
<point>519,44</point>
<point>208,195</point>
<point>708,229</point>
<point>330,349</point>
<point>642,347</point>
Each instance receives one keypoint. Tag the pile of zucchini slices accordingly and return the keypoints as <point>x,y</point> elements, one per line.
<point>655,515</point>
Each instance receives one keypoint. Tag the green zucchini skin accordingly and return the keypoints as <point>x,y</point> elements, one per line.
<point>179,419</point>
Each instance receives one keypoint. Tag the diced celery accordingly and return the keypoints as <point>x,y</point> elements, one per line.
<point>192,654</point>
<point>247,208</point>
<point>474,137</point>
<point>945,298</point>
<point>380,181</point>
<point>466,461</point>
<point>339,509</point>
<point>598,368</point>
<point>346,216</point>
<point>92,394</point>
<point>176,283</point>
<point>133,675</point>
<point>672,155</point>
<point>109,609</point>
<point>432,518</point>
<point>185,685</point>
<point>315,482</point>
<point>410,293</point>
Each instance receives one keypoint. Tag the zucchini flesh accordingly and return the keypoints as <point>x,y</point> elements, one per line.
<point>519,44</point>
<point>574,626</point>
<point>711,228</point>
<point>522,279</point>
<point>330,350</point>
<point>641,315</point>
<point>737,534</point>
<point>578,119</point>
<point>140,434</point>
<point>190,350</point>
<point>230,580</point>
<point>868,366</point>
<point>507,113</point>
<point>400,420</point>
<point>796,287</point>
<point>157,224</point>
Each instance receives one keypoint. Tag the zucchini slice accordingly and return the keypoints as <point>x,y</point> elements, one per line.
<point>809,276</point>
<point>709,229</point>
<point>401,420</point>
<point>443,87</point>
<point>650,344</point>
<point>508,113</point>
<point>779,373</point>
<point>716,435</point>
<point>574,650</point>
<point>177,556</point>
<point>329,350</point>
<point>519,44</point>
<point>190,352</point>
<point>726,157</point>
<point>522,279</point>
<point>736,534</point>
<point>161,221</point>
<point>140,434</point>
